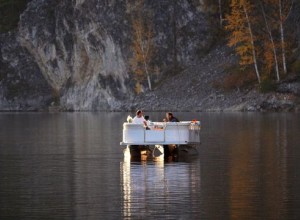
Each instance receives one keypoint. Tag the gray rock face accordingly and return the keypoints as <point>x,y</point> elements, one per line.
<point>22,86</point>
<point>75,53</point>
<point>80,48</point>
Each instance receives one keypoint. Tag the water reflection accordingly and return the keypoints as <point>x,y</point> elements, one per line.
<point>159,189</point>
<point>257,170</point>
<point>70,166</point>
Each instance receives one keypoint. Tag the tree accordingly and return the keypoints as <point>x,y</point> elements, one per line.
<point>258,32</point>
<point>239,23</point>
<point>275,13</point>
<point>270,56</point>
<point>142,45</point>
<point>220,13</point>
<point>284,7</point>
<point>279,12</point>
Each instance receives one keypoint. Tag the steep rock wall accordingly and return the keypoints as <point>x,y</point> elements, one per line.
<point>82,47</point>
<point>22,85</point>
<point>75,54</point>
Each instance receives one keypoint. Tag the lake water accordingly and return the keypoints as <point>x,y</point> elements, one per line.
<point>71,166</point>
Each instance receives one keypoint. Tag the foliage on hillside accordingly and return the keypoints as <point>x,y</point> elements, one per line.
<point>142,45</point>
<point>261,36</point>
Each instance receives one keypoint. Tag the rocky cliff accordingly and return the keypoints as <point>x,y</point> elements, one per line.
<point>22,86</point>
<point>75,53</point>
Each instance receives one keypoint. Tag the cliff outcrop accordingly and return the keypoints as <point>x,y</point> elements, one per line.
<point>75,55</point>
<point>81,49</point>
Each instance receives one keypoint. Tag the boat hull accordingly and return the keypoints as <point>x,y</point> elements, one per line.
<point>161,152</point>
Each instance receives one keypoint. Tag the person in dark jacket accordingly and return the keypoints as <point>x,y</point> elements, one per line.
<point>170,117</point>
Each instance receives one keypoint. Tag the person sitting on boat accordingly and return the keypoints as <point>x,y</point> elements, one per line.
<point>139,118</point>
<point>148,122</point>
<point>170,118</point>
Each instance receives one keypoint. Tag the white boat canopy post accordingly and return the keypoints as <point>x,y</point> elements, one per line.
<point>162,133</point>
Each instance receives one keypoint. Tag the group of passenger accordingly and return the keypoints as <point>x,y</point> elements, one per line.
<point>140,119</point>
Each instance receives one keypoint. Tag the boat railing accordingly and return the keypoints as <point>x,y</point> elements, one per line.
<point>185,132</point>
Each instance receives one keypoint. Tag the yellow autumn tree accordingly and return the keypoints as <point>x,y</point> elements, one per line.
<point>270,47</point>
<point>278,12</point>
<point>268,58</point>
<point>239,25</point>
<point>142,44</point>
<point>284,9</point>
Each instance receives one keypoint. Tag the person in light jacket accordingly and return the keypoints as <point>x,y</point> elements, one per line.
<point>139,118</point>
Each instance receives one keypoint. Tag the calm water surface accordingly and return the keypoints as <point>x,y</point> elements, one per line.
<point>70,166</point>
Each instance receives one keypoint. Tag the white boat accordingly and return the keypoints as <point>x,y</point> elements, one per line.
<point>162,139</point>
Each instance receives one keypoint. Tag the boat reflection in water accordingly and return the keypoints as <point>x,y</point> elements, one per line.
<point>153,186</point>
<point>158,189</point>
